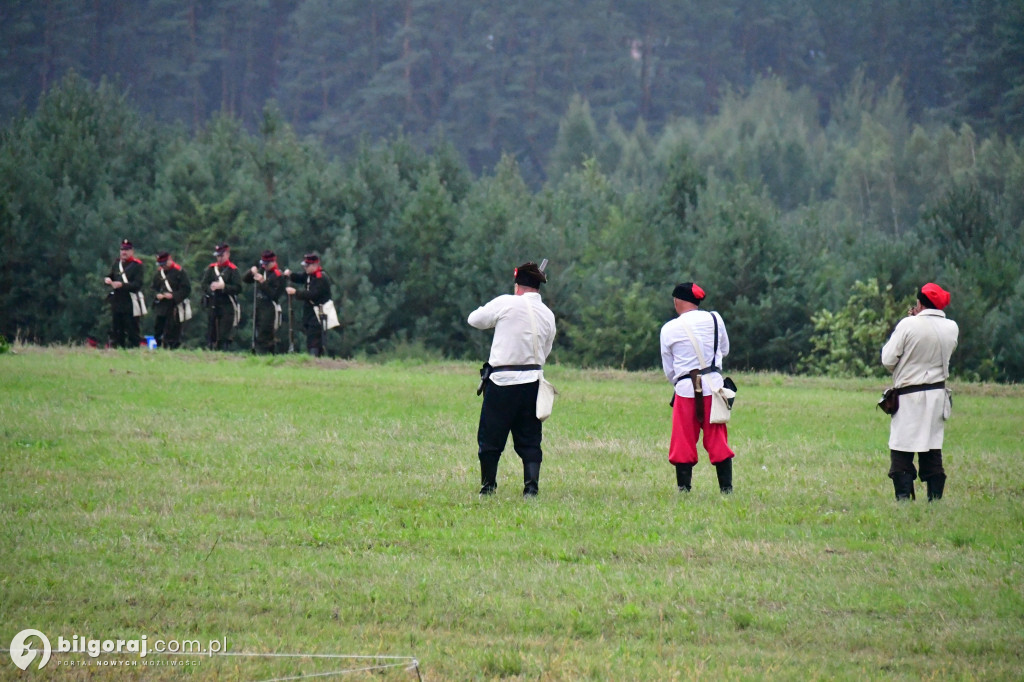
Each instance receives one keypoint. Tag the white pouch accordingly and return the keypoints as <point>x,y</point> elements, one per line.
<point>328,315</point>
<point>277,315</point>
<point>545,391</point>
<point>184,311</point>
<point>721,405</point>
<point>138,304</point>
<point>238,310</point>
<point>545,398</point>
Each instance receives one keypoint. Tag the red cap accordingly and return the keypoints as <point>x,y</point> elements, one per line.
<point>936,294</point>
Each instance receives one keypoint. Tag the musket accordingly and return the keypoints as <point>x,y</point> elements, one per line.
<point>291,334</point>
<point>255,288</point>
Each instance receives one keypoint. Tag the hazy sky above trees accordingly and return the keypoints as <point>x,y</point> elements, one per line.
<point>497,77</point>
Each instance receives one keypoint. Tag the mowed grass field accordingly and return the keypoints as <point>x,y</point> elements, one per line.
<point>297,506</point>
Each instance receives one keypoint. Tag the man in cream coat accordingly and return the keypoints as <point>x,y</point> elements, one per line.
<point>918,355</point>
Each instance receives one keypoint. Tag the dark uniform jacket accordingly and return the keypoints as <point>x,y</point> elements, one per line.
<point>232,284</point>
<point>317,291</point>
<point>181,287</point>
<point>120,299</point>
<point>268,292</point>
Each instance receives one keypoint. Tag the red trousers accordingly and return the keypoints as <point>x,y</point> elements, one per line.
<point>686,430</point>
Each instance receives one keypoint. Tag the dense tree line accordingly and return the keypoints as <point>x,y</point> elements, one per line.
<point>493,77</point>
<point>809,237</point>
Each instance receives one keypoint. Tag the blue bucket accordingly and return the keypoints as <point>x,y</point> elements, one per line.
<point>151,342</point>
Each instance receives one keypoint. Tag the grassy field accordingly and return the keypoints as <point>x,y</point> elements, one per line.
<point>289,505</point>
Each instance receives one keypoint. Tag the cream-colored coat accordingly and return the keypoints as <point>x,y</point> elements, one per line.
<point>918,353</point>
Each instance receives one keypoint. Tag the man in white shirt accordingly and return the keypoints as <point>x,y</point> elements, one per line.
<point>692,348</point>
<point>524,329</point>
<point>918,355</point>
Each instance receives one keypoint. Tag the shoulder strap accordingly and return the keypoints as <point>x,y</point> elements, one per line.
<point>120,265</point>
<point>533,328</point>
<point>166,283</point>
<point>696,346</point>
<point>714,319</point>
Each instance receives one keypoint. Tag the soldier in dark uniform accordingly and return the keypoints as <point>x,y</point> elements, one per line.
<point>315,292</point>
<point>270,285</point>
<point>125,280</point>
<point>172,287</point>
<point>221,285</point>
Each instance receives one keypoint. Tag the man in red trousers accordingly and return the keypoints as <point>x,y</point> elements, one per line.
<point>692,347</point>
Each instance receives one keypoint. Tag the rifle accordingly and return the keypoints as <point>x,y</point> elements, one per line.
<point>291,333</point>
<point>255,289</point>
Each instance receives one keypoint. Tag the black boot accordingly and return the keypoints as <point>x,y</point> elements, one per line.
<point>903,484</point>
<point>724,470</point>
<point>488,475</point>
<point>935,485</point>
<point>531,476</point>
<point>684,476</point>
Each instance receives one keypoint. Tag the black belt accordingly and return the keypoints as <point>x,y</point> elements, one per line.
<point>487,370</point>
<point>706,370</point>
<point>904,390</point>
<point>514,368</point>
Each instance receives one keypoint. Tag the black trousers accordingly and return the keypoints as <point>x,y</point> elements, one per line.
<point>266,336</point>
<point>220,327</point>
<point>314,337</point>
<point>903,462</point>
<point>167,330</point>
<point>124,329</point>
<point>509,409</point>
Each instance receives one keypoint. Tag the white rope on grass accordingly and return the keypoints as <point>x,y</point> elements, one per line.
<point>256,654</point>
<point>410,662</point>
<point>341,672</point>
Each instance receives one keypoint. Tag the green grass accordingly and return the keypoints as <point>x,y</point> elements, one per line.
<point>290,505</point>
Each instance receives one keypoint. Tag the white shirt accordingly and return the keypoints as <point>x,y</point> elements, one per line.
<point>513,342</point>
<point>679,357</point>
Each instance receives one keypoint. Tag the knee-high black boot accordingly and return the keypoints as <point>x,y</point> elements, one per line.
<point>488,474</point>
<point>684,476</point>
<point>903,484</point>
<point>724,470</point>
<point>936,484</point>
<point>531,477</point>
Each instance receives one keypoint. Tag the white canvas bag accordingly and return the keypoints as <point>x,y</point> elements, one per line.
<point>184,311</point>
<point>278,315</point>
<point>545,391</point>
<point>328,315</point>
